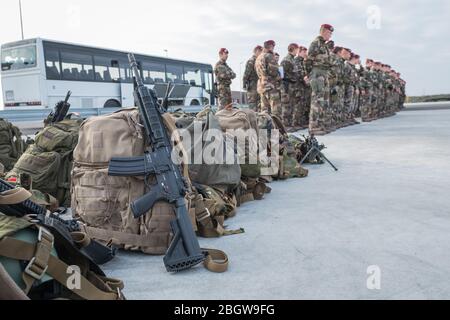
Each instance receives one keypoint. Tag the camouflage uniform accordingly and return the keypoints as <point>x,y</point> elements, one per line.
<point>290,105</point>
<point>349,90</point>
<point>367,97</point>
<point>268,83</point>
<point>319,56</point>
<point>301,106</point>
<point>224,75</point>
<point>250,81</point>
<point>337,90</point>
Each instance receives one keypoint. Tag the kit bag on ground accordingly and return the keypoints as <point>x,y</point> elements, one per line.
<point>40,262</point>
<point>103,202</point>
<point>215,184</point>
<point>11,144</point>
<point>253,186</point>
<point>49,160</point>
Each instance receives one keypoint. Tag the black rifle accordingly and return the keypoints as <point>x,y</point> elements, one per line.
<point>313,151</point>
<point>96,251</point>
<point>60,111</point>
<point>184,252</point>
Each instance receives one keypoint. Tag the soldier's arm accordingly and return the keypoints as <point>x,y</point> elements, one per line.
<point>249,67</point>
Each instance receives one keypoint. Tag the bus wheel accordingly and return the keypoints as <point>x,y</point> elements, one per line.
<point>195,102</point>
<point>111,103</point>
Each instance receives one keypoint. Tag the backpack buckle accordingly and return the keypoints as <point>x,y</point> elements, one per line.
<point>37,268</point>
<point>206,216</point>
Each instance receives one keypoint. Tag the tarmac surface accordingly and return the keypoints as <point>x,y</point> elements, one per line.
<point>315,238</point>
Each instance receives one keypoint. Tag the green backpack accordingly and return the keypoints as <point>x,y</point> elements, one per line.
<point>49,160</point>
<point>11,144</point>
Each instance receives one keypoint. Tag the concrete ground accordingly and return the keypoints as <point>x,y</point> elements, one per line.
<point>314,238</point>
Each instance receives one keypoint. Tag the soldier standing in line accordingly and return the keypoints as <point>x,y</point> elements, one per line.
<point>337,86</point>
<point>224,76</point>
<point>348,86</point>
<point>304,94</point>
<point>250,80</point>
<point>368,94</point>
<point>269,78</point>
<point>354,106</point>
<point>332,112</point>
<point>290,79</point>
<point>319,57</point>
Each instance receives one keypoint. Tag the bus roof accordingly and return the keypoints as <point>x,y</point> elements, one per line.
<point>34,40</point>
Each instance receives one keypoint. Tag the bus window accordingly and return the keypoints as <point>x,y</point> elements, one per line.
<point>153,72</point>
<point>106,69</point>
<point>174,73</point>
<point>52,65</point>
<point>193,76</point>
<point>125,71</point>
<point>207,80</point>
<point>77,66</point>
<point>18,58</point>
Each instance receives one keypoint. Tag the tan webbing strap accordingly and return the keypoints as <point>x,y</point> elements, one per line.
<point>14,196</point>
<point>57,269</point>
<point>38,265</point>
<point>211,228</point>
<point>216,260</point>
<point>155,239</point>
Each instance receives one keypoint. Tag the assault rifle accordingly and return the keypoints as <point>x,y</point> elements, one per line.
<point>313,151</point>
<point>184,252</point>
<point>96,251</point>
<point>60,111</point>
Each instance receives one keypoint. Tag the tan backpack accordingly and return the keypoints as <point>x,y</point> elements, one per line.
<point>102,201</point>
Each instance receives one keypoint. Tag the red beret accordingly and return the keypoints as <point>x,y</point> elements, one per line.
<point>327,27</point>
<point>269,43</point>
<point>258,48</point>
<point>357,56</point>
<point>223,50</point>
<point>302,48</point>
<point>292,46</point>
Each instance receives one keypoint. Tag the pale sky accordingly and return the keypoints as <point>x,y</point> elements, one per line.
<point>409,35</point>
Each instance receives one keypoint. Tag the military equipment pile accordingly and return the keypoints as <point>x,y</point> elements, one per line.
<point>145,201</point>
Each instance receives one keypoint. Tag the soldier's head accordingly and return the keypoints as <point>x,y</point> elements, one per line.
<point>277,56</point>
<point>346,53</point>
<point>369,63</point>
<point>223,54</point>
<point>302,52</point>
<point>354,59</point>
<point>337,50</point>
<point>269,45</point>
<point>326,31</point>
<point>293,49</point>
<point>257,51</point>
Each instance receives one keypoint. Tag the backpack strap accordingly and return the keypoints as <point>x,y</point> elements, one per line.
<point>14,196</point>
<point>216,260</point>
<point>42,262</point>
<point>152,240</point>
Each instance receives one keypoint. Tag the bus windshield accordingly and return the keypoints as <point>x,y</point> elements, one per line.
<point>18,58</point>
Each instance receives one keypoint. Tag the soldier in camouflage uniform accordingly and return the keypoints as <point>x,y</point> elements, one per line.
<point>290,84</point>
<point>337,86</point>
<point>368,93</point>
<point>303,96</point>
<point>354,63</point>
<point>349,88</point>
<point>250,80</point>
<point>280,85</point>
<point>269,78</point>
<point>224,76</point>
<point>319,57</point>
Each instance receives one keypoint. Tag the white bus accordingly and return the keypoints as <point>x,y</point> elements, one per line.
<point>37,73</point>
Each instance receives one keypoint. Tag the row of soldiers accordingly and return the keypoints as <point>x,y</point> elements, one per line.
<point>323,88</point>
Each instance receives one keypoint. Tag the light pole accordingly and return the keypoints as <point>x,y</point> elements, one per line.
<point>21,18</point>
